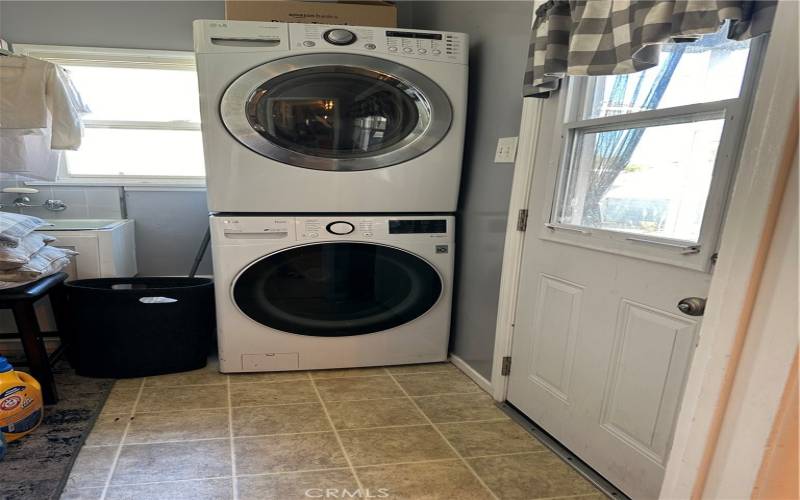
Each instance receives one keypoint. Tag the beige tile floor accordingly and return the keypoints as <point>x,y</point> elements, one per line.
<point>405,432</point>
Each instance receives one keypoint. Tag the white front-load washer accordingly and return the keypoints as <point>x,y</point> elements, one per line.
<point>296,293</point>
<point>310,118</point>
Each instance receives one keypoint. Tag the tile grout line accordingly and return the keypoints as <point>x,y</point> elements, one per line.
<point>150,412</point>
<point>302,471</point>
<point>234,482</point>
<point>438,431</point>
<point>256,436</point>
<point>388,373</point>
<point>336,434</point>
<point>115,460</point>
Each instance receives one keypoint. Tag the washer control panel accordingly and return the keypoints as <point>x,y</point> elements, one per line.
<point>418,44</point>
<point>373,228</point>
<point>259,230</point>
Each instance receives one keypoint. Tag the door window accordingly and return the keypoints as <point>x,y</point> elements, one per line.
<point>337,289</point>
<point>358,114</point>
<point>640,151</point>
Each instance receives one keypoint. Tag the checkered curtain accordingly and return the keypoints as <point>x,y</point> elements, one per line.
<point>609,37</point>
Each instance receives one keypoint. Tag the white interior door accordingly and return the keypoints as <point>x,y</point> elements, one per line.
<point>626,208</point>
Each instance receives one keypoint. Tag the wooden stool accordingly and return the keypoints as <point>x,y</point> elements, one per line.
<point>21,301</point>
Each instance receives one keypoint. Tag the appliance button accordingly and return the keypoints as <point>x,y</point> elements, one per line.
<point>309,43</point>
<point>407,50</point>
<point>422,51</point>
<point>313,235</point>
<point>370,46</point>
<point>436,52</point>
<point>392,49</point>
<point>339,37</point>
<point>340,227</point>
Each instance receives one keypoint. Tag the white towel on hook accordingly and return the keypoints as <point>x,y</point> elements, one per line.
<point>23,91</point>
<point>29,88</point>
<point>29,156</point>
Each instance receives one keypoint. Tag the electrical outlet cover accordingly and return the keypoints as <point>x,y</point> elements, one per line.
<point>506,150</point>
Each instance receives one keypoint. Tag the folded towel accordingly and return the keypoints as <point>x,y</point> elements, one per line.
<point>13,258</point>
<point>14,227</point>
<point>47,261</point>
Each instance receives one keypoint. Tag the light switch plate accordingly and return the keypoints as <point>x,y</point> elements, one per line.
<point>506,150</point>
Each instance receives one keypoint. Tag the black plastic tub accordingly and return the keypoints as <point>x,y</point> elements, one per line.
<point>134,327</point>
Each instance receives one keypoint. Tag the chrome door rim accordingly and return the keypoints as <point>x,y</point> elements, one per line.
<point>435,107</point>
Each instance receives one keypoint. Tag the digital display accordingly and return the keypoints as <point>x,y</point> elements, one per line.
<point>417,226</point>
<point>408,34</point>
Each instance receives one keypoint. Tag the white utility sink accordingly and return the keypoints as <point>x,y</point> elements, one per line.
<point>82,224</point>
<point>106,247</point>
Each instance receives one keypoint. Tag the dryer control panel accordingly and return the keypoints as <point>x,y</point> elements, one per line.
<point>417,44</point>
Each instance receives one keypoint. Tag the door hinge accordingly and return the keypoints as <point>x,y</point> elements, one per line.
<point>505,370</point>
<point>522,220</point>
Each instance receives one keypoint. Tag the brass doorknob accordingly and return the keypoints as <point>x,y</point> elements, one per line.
<point>692,306</point>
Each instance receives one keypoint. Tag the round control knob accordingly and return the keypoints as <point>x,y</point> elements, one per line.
<point>309,43</point>
<point>436,52</point>
<point>392,49</point>
<point>339,37</point>
<point>422,51</point>
<point>407,50</point>
<point>340,228</point>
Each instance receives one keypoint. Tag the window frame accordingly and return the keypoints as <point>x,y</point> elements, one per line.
<point>123,58</point>
<point>572,100</point>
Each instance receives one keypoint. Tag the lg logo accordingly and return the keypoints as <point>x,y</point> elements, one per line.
<point>345,493</point>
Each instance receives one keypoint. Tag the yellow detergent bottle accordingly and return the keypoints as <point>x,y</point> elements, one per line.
<point>20,402</point>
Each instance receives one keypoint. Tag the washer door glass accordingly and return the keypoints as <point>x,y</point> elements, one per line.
<point>358,114</point>
<point>337,289</point>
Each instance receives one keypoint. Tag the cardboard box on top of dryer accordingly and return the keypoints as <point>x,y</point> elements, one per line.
<point>330,12</point>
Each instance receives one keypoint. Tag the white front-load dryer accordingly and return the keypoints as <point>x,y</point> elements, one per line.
<point>297,293</point>
<point>309,118</point>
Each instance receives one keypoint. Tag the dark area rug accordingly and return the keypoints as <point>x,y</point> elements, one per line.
<point>36,467</point>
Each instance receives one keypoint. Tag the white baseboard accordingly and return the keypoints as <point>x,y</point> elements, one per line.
<point>471,373</point>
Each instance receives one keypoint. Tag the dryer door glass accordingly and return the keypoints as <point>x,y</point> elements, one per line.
<point>358,114</point>
<point>337,289</point>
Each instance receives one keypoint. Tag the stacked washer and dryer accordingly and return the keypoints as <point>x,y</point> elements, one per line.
<point>333,162</point>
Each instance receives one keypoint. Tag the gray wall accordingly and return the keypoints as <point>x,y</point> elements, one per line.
<point>169,228</point>
<point>169,224</point>
<point>499,34</point>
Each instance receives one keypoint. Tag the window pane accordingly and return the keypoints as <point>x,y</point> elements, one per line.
<point>651,180</point>
<point>137,94</point>
<point>135,152</point>
<point>710,69</point>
